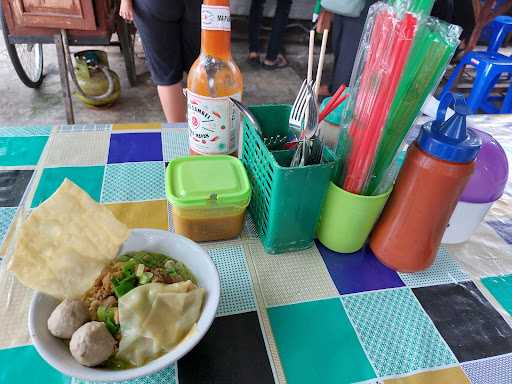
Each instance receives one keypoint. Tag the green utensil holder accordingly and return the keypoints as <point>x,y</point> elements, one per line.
<point>347,219</point>
<point>286,202</point>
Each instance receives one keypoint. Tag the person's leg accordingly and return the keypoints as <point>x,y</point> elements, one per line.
<point>348,44</point>
<point>444,10</point>
<point>464,16</point>
<point>191,33</point>
<point>164,57</point>
<point>279,24</point>
<point>351,31</point>
<point>337,29</point>
<point>173,102</point>
<point>255,16</point>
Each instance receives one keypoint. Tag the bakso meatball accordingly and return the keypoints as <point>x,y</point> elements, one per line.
<point>67,317</point>
<point>92,344</point>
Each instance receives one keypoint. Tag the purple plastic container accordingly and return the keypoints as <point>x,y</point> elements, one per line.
<point>491,172</point>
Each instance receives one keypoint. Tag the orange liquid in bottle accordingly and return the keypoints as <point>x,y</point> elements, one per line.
<point>213,123</point>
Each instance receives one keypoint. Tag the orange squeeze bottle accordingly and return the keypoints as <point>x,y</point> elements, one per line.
<point>214,77</point>
<point>437,167</point>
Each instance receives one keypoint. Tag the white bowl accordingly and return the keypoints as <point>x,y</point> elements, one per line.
<point>56,352</point>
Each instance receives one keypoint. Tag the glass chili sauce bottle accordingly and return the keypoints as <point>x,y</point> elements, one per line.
<point>213,78</point>
<point>437,167</point>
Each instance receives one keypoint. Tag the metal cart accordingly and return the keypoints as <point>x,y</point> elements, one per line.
<point>28,25</point>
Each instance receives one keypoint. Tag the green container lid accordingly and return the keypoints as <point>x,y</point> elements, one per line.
<point>199,181</point>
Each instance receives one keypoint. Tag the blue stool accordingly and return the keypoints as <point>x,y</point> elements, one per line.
<point>500,27</point>
<point>489,66</point>
<point>487,31</point>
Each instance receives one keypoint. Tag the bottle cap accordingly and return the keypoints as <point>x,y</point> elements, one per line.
<point>450,140</point>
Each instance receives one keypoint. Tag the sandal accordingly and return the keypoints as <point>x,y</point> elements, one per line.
<point>254,61</point>
<point>278,63</point>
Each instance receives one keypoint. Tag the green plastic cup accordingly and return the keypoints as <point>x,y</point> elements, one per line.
<point>347,219</point>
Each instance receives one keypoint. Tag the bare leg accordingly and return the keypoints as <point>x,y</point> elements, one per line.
<point>173,102</point>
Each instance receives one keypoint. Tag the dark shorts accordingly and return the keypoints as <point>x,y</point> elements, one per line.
<point>170,31</point>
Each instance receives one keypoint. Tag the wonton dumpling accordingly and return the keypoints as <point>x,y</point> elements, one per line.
<point>155,317</point>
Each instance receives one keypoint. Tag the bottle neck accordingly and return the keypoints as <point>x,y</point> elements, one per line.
<point>214,42</point>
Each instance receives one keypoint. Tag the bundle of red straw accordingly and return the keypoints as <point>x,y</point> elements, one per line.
<point>390,44</point>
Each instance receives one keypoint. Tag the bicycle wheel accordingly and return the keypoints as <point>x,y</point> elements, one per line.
<point>27,59</point>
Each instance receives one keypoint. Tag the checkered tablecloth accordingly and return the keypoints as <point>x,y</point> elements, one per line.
<point>304,317</point>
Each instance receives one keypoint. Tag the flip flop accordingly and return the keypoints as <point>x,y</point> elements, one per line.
<point>279,62</point>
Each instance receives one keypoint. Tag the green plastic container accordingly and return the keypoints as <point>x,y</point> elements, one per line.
<point>209,196</point>
<point>347,219</point>
<point>286,202</point>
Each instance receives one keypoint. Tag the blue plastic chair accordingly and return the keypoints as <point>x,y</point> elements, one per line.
<point>500,27</point>
<point>488,31</point>
<point>490,65</point>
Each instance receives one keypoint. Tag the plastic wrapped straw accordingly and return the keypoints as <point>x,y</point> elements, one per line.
<point>381,58</point>
<point>396,165</point>
<point>391,173</point>
<point>433,47</point>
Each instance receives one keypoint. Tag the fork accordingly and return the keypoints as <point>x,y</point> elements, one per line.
<point>309,127</point>
<point>298,109</point>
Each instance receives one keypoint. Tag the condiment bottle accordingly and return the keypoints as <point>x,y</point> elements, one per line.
<point>437,167</point>
<point>213,78</point>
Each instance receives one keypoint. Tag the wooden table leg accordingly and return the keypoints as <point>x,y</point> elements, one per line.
<point>64,79</point>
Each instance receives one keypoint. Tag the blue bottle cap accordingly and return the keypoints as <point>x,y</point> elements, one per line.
<point>450,140</point>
